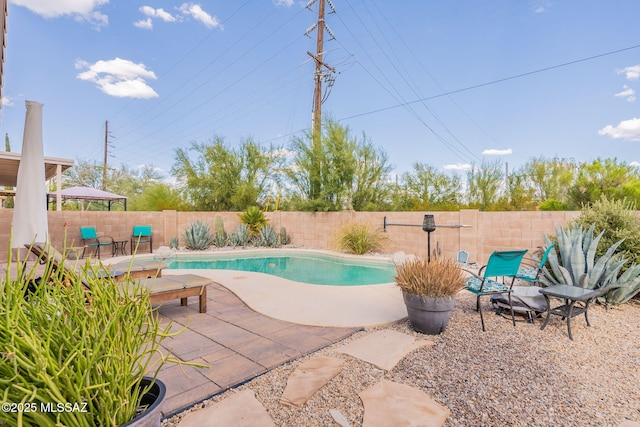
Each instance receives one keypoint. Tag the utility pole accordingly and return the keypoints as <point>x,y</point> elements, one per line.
<point>316,119</point>
<point>106,148</point>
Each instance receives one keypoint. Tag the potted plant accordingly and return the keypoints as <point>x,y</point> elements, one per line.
<point>429,289</point>
<point>77,349</point>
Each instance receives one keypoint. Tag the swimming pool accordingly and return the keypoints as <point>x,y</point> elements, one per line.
<point>315,269</point>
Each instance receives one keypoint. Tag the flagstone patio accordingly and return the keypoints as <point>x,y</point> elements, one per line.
<point>235,342</point>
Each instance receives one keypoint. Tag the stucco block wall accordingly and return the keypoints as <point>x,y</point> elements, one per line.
<point>478,233</point>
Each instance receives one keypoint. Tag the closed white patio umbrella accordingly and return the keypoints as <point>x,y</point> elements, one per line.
<point>30,209</point>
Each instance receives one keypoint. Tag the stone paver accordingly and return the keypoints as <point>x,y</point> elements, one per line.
<point>235,342</point>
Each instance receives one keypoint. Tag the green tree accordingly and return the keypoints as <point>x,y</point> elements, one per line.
<point>370,188</point>
<point>605,177</point>
<point>84,173</point>
<point>337,171</point>
<point>521,195</point>
<point>221,178</point>
<point>426,188</point>
<point>484,185</point>
<point>550,179</point>
<point>157,197</point>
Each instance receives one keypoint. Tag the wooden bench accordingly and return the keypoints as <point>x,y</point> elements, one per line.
<point>161,289</point>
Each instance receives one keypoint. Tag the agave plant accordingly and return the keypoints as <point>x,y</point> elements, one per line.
<point>240,236</point>
<point>578,266</point>
<point>198,236</point>
<point>267,236</point>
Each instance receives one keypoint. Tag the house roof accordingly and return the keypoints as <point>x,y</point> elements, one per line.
<point>9,163</point>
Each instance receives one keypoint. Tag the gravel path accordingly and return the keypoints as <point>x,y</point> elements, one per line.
<point>505,376</point>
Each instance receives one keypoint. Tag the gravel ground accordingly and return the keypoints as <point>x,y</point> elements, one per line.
<point>505,376</point>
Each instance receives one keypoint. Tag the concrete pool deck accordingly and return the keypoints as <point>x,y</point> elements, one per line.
<point>316,305</point>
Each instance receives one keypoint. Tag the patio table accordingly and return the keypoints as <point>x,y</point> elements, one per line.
<point>119,246</point>
<point>571,295</point>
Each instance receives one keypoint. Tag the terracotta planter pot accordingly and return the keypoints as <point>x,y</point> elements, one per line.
<point>152,416</point>
<point>428,315</point>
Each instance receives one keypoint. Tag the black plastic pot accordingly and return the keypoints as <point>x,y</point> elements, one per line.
<point>152,416</point>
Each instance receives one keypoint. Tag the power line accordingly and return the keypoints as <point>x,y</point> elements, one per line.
<point>504,79</point>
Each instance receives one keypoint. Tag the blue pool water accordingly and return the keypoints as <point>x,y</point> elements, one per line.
<point>313,269</point>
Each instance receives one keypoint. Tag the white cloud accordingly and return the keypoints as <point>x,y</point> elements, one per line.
<point>631,73</point>
<point>196,11</point>
<point>145,24</point>
<point>157,13</point>
<point>635,164</point>
<point>6,101</point>
<point>151,13</point>
<point>627,93</point>
<point>496,152</point>
<point>284,153</point>
<point>118,77</point>
<point>285,3</point>
<point>541,6</point>
<point>458,167</point>
<point>626,129</point>
<point>81,10</point>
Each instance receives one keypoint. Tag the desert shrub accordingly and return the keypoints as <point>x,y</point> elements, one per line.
<point>360,239</point>
<point>174,242</point>
<point>553,205</point>
<point>616,220</point>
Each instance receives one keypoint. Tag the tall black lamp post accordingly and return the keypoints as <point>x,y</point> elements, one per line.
<point>429,225</point>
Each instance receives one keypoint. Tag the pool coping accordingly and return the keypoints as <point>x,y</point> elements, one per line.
<point>306,304</point>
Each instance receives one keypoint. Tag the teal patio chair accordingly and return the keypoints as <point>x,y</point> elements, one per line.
<point>531,269</point>
<point>141,234</point>
<point>91,239</point>
<point>503,264</point>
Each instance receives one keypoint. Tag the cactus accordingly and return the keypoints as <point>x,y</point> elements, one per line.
<point>174,242</point>
<point>221,235</point>
<point>284,238</point>
<point>198,236</point>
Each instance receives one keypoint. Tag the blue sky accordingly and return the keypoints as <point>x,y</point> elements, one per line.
<point>444,82</point>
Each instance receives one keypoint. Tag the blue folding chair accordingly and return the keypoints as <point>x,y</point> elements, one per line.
<point>503,264</point>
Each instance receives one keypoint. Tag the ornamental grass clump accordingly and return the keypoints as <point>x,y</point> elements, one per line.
<point>81,342</point>
<point>442,277</point>
<point>360,239</point>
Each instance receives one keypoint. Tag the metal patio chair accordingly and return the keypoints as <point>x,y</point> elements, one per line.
<point>503,264</point>
<point>91,239</point>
